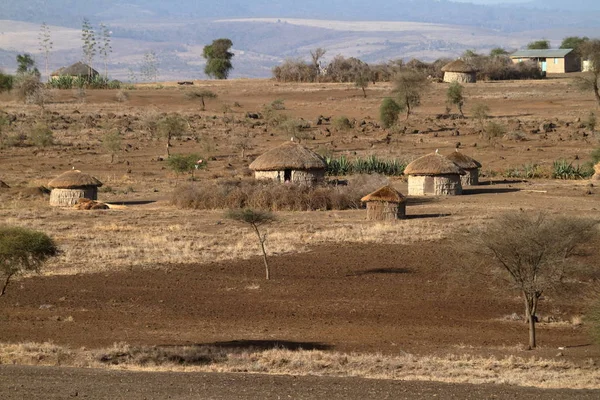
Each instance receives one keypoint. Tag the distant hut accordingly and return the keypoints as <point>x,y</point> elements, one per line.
<point>290,162</point>
<point>71,186</point>
<point>596,176</point>
<point>459,71</point>
<point>385,204</point>
<point>433,174</point>
<point>467,164</point>
<point>77,70</point>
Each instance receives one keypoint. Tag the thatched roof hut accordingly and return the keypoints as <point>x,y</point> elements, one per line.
<point>433,174</point>
<point>459,71</point>
<point>77,70</point>
<point>385,204</point>
<point>290,162</point>
<point>467,164</point>
<point>71,186</point>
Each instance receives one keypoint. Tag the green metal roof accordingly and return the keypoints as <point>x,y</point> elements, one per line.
<point>550,53</point>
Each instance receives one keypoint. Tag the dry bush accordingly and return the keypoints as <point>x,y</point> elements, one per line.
<point>295,70</point>
<point>268,195</point>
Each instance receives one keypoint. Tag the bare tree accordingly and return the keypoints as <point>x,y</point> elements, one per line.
<point>255,218</point>
<point>316,56</point>
<point>46,44</point>
<point>532,252</point>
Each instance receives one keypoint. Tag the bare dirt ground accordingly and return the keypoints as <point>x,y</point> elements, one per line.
<point>151,274</point>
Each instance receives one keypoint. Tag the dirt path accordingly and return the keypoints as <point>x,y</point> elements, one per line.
<point>63,383</point>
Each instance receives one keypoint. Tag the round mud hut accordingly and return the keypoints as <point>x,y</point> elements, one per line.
<point>467,164</point>
<point>385,204</point>
<point>459,71</point>
<point>433,174</point>
<point>71,186</point>
<point>290,162</point>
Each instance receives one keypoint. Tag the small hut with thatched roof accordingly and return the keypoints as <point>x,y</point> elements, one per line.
<point>290,162</point>
<point>385,204</point>
<point>459,71</point>
<point>596,175</point>
<point>77,70</point>
<point>467,164</point>
<point>433,174</point>
<point>71,186</point>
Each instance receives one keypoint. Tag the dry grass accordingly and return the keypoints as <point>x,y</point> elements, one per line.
<point>452,368</point>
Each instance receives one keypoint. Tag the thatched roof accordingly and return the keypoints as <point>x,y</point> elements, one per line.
<point>73,179</point>
<point>433,164</point>
<point>77,69</point>
<point>385,193</point>
<point>290,155</point>
<point>463,161</point>
<point>458,66</point>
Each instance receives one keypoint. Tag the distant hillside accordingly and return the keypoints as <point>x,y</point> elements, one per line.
<point>506,18</point>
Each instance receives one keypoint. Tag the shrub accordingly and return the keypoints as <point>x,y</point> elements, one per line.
<point>563,169</point>
<point>590,121</point>
<point>41,135</point>
<point>180,163</point>
<point>525,171</point>
<point>295,70</point>
<point>370,165</point>
<point>122,96</point>
<point>278,104</point>
<point>494,130</point>
<point>6,82</point>
<point>389,112</point>
<point>596,156</point>
<point>480,113</point>
<point>341,123</point>
<point>272,196</point>
<point>454,96</point>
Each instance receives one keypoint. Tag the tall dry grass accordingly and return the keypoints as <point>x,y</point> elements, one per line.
<point>451,368</point>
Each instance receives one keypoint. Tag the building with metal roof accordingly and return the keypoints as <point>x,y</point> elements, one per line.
<point>551,61</point>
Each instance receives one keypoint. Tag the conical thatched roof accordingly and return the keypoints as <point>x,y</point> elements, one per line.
<point>458,66</point>
<point>77,69</point>
<point>289,155</point>
<point>463,160</point>
<point>73,179</point>
<point>385,193</point>
<point>433,164</point>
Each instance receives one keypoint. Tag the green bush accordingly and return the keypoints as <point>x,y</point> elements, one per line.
<point>181,163</point>
<point>525,171</point>
<point>341,123</point>
<point>494,130</point>
<point>371,165</point>
<point>596,156</point>
<point>6,82</point>
<point>41,135</point>
<point>563,169</point>
<point>389,112</point>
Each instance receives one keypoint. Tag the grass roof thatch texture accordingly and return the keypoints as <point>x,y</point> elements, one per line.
<point>433,164</point>
<point>77,69</point>
<point>458,66</point>
<point>289,155</point>
<point>73,179</point>
<point>385,193</point>
<point>463,160</point>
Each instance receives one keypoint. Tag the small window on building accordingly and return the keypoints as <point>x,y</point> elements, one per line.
<point>556,61</point>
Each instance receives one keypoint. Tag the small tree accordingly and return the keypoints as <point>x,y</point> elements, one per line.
<point>388,112</point>
<point>23,250</point>
<point>255,218</point>
<point>181,163</point>
<point>26,65</point>
<point>532,250</point>
<point>362,77</point>
<point>218,58</point>
<point>480,113</point>
<point>171,126</point>
<point>454,96</point>
<point>112,143</point>
<point>6,82</point>
<point>498,51</point>
<point>574,42</point>
<point>201,94</point>
<point>316,56</point>
<point>408,87</point>
<point>543,44</point>
<point>41,135</point>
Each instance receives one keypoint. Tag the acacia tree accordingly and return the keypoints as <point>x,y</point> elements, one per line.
<point>362,77</point>
<point>454,97</point>
<point>88,36</point>
<point>590,51</point>
<point>171,126</point>
<point>543,44</point>
<point>201,94</point>
<point>255,218</point>
<point>532,251</point>
<point>22,250</point>
<point>46,45</point>
<point>408,87</point>
<point>218,58</point>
